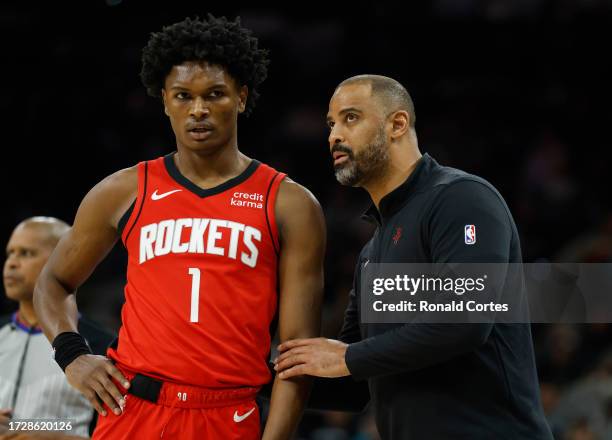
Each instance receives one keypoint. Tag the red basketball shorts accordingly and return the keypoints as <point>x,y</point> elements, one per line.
<point>186,413</point>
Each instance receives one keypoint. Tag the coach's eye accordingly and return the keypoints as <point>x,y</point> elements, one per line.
<point>330,124</point>
<point>350,117</point>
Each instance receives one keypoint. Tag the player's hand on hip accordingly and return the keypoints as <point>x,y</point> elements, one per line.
<point>319,357</point>
<point>91,375</point>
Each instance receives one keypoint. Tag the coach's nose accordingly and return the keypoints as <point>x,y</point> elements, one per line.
<point>335,137</point>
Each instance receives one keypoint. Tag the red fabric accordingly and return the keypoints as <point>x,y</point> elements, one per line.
<point>183,412</point>
<point>143,420</point>
<point>229,344</point>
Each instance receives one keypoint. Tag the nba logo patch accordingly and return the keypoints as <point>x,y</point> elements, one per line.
<point>470,234</point>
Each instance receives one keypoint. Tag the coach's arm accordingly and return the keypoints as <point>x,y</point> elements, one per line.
<point>302,247</point>
<point>77,254</point>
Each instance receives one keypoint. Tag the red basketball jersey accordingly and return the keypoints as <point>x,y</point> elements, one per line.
<point>201,290</point>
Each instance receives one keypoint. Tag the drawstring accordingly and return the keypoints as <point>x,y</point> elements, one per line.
<point>171,413</point>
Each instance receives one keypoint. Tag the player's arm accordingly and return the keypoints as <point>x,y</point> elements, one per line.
<point>79,251</point>
<point>302,236</point>
<point>343,393</point>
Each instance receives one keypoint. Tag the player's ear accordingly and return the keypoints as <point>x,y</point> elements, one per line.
<point>164,97</point>
<point>243,94</point>
<point>400,123</point>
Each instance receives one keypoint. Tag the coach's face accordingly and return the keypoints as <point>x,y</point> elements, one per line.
<point>26,253</point>
<point>357,139</point>
<point>203,102</point>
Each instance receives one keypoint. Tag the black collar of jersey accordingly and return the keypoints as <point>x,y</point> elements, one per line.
<point>396,199</point>
<point>189,185</point>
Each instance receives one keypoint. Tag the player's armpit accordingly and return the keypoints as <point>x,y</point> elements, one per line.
<point>302,237</point>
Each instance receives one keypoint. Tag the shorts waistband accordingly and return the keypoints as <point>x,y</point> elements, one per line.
<point>184,396</point>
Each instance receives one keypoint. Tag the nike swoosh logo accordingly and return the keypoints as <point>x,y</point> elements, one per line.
<point>239,419</point>
<point>156,196</point>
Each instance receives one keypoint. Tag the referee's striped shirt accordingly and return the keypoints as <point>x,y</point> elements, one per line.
<point>32,385</point>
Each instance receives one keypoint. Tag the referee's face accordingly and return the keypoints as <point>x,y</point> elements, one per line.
<point>26,253</point>
<point>357,139</point>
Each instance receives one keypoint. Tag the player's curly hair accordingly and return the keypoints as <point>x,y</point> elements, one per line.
<point>215,40</point>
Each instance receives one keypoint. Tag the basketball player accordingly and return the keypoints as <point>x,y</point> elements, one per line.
<point>217,244</point>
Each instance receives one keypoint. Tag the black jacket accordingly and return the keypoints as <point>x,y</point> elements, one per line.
<point>445,381</point>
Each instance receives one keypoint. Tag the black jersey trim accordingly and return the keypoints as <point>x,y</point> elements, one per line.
<point>276,250</point>
<point>201,192</point>
<point>124,218</point>
<point>144,196</point>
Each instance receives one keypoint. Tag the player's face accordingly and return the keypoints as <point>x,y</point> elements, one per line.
<point>203,102</point>
<point>357,139</point>
<point>26,254</point>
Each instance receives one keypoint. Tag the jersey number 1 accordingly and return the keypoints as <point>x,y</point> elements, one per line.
<point>195,293</point>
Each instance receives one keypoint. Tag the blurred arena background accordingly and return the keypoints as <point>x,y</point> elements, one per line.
<point>516,91</point>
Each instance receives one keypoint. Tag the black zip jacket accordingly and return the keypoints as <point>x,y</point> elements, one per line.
<point>445,381</point>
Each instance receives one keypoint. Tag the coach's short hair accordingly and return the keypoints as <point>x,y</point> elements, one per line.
<point>392,95</point>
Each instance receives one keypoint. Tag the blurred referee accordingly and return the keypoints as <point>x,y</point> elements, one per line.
<point>32,385</point>
<point>427,381</point>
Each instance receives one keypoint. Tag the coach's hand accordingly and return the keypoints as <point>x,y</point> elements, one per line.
<point>91,375</point>
<point>316,357</point>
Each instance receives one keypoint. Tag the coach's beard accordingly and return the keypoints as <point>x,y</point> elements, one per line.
<point>367,165</point>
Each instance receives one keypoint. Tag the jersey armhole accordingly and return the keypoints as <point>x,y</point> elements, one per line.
<point>124,218</point>
<point>270,205</point>
<point>130,218</point>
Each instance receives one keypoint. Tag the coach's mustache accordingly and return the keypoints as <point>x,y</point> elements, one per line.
<point>341,148</point>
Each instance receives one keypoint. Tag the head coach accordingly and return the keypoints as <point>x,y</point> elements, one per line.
<point>427,381</point>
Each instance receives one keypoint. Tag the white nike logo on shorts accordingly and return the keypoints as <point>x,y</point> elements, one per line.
<point>156,196</point>
<point>239,419</point>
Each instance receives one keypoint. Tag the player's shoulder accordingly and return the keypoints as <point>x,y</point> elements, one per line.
<point>115,188</point>
<point>125,179</point>
<point>109,198</point>
<point>297,205</point>
<point>292,195</point>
